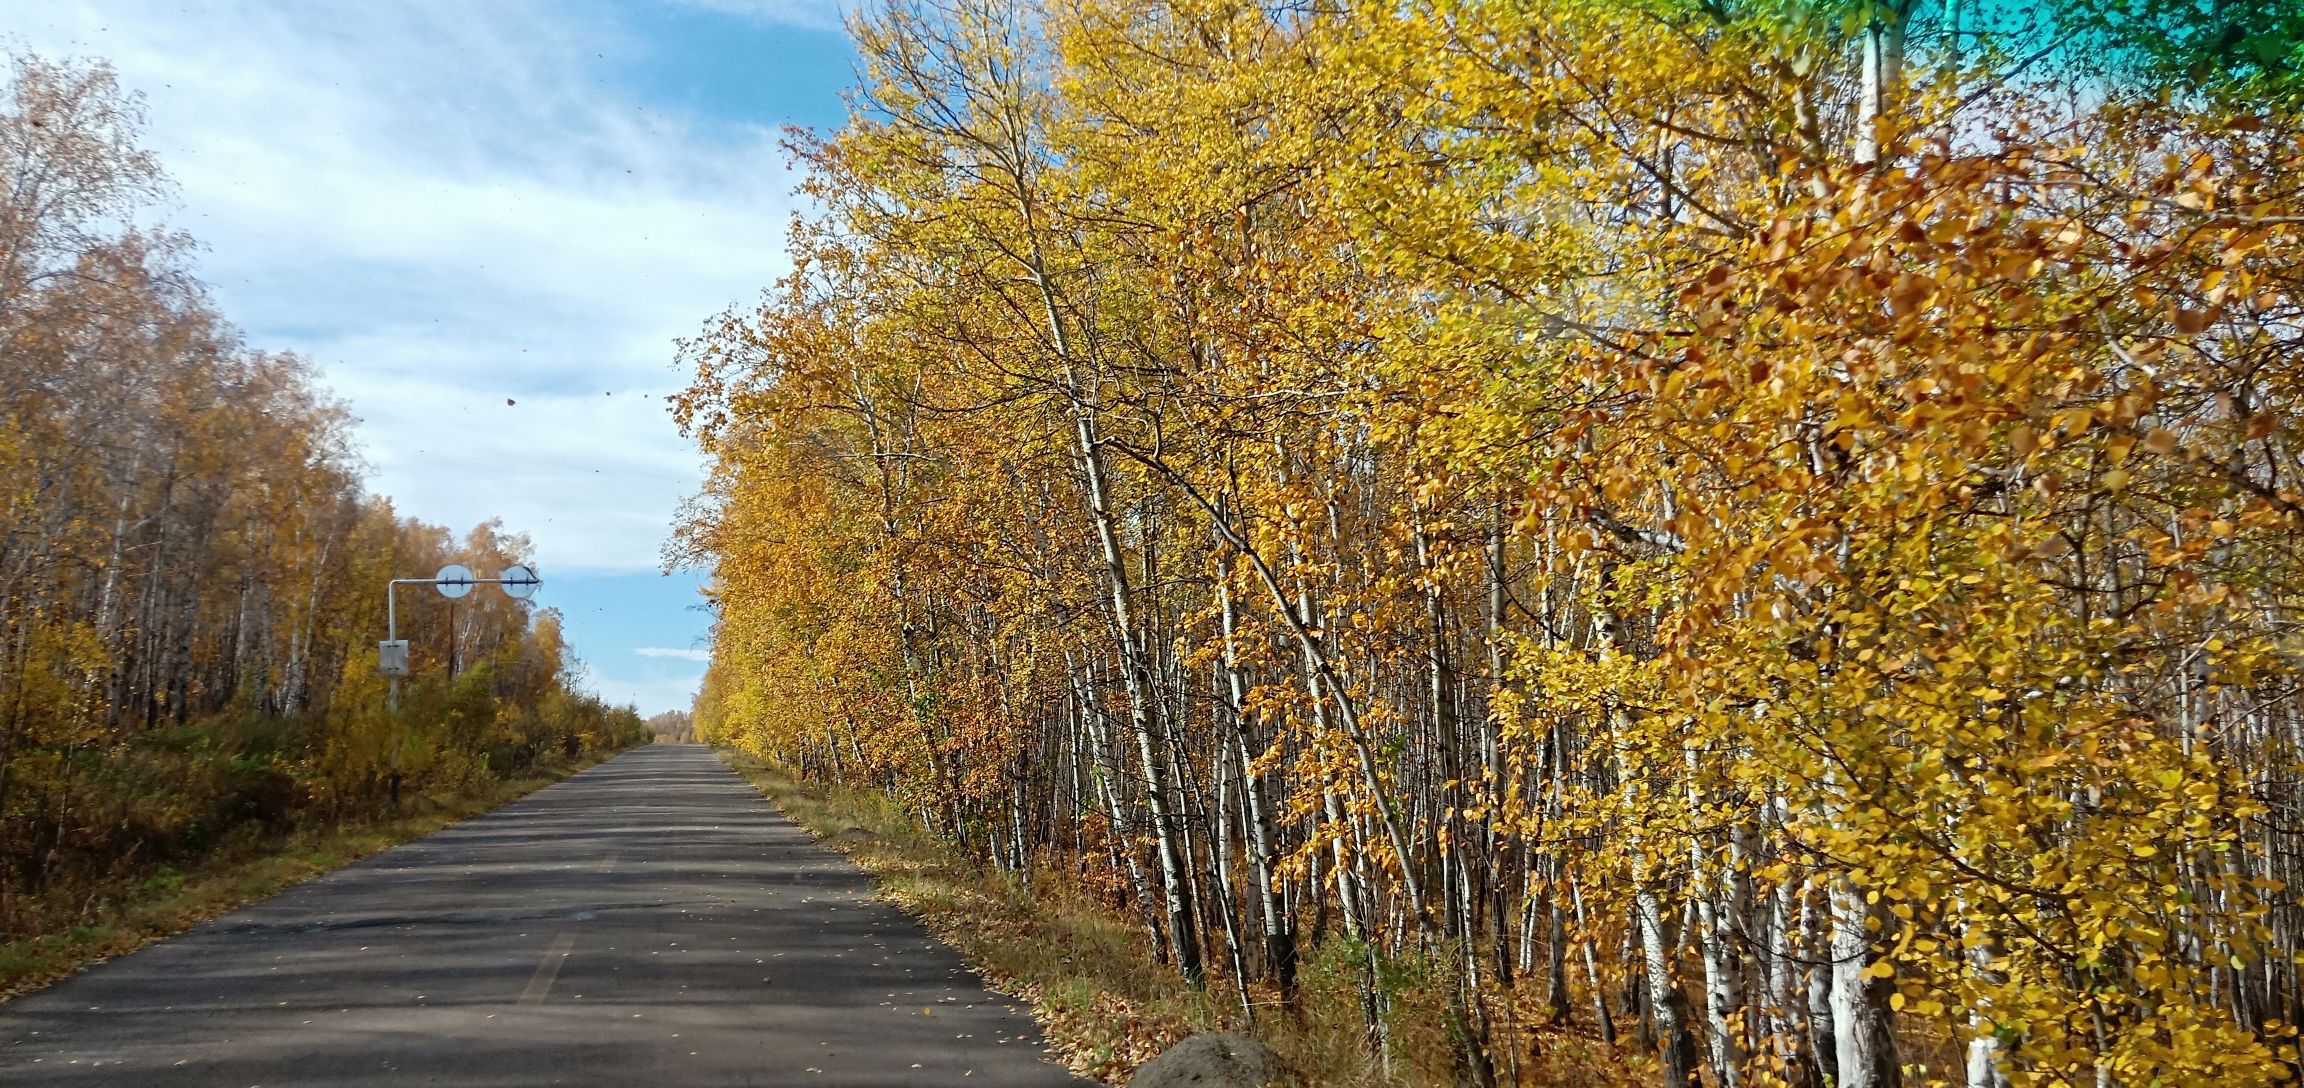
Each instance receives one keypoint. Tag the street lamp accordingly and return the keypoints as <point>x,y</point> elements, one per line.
<point>519,582</point>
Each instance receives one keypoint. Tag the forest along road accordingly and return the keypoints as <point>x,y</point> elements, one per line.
<point>651,921</point>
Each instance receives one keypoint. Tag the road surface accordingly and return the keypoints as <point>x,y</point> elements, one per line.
<point>649,922</point>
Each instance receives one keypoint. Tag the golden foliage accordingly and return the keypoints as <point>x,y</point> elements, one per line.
<point>1782,515</point>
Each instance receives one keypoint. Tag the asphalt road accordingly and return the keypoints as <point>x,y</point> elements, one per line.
<point>649,922</point>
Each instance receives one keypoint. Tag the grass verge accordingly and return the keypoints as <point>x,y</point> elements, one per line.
<point>1088,970</point>
<point>172,902</point>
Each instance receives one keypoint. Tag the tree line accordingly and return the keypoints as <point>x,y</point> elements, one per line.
<point>673,727</point>
<point>1762,532</point>
<point>191,570</point>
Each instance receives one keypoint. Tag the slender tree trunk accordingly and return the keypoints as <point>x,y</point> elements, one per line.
<point>1143,721</point>
<point>1107,789</point>
<point>1863,1030</point>
<point>1984,1065</point>
<point>1883,72</point>
<point>1606,1022</point>
<point>1787,990</point>
<point>1676,1052</point>
<point>1279,925</point>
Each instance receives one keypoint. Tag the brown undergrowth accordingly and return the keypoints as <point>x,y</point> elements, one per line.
<point>135,914</point>
<point>1106,1005</point>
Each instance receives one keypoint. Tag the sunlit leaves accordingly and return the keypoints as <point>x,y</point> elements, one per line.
<point>1566,457</point>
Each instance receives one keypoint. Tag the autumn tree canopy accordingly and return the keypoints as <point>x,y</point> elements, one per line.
<point>1767,530</point>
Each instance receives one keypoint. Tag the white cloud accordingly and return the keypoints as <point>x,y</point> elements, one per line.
<point>669,651</point>
<point>651,695</point>
<point>450,205</point>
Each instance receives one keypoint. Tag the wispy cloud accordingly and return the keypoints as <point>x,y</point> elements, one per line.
<point>667,651</point>
<point>452,206</point>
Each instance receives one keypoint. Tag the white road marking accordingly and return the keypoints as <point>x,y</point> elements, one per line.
<point>541,983</point>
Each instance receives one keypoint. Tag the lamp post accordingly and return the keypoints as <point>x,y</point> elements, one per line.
<point>518,581</point>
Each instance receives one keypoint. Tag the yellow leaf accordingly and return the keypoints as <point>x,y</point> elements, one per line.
<point>2022,441</point>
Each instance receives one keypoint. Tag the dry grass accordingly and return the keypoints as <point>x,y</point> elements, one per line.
<point>171,902</point>
<point>1103,1002</point>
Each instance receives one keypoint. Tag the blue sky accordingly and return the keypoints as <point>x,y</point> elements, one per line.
<point>452,204</point>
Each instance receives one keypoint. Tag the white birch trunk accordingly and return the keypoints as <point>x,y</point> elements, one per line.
<point>1883,71</point>
<point>1667,1001</point>
<point>1863,1036</point>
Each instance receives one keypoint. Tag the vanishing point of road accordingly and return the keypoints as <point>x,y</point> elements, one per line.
<point>648,922</point>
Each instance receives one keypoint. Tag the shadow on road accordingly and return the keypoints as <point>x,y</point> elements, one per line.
<point>651,921</point>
